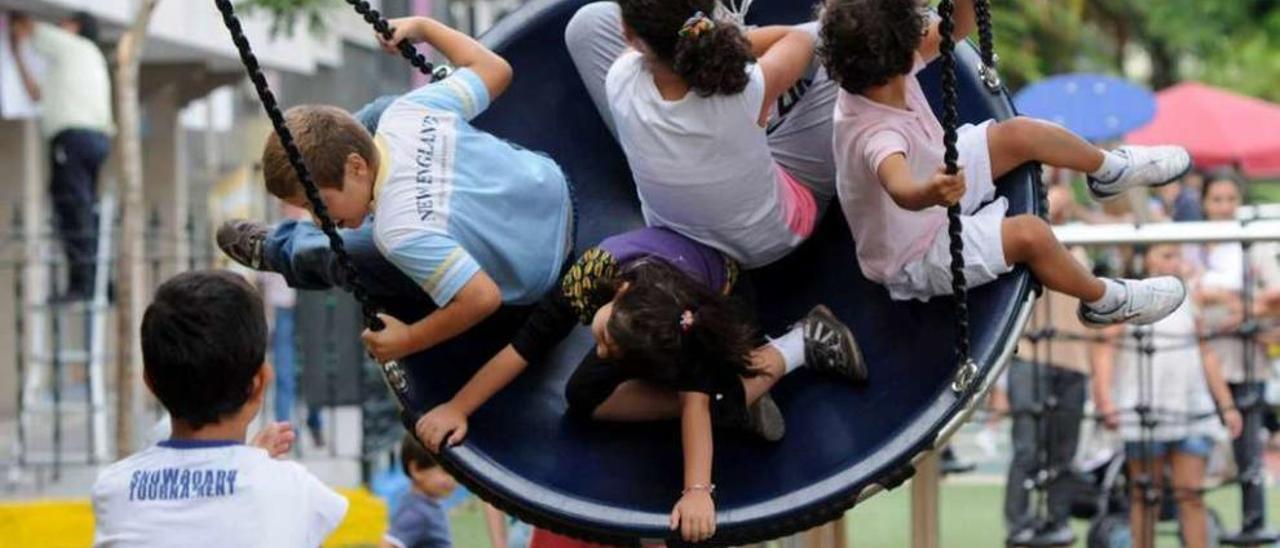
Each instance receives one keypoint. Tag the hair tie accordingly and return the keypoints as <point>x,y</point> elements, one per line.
<point>696,25</point>
<point>686,321</point>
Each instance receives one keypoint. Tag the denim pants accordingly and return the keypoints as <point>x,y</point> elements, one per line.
<point>75,157</point>
<point>300,252</point>
<point>1060,397</point>
<point>283,358</point>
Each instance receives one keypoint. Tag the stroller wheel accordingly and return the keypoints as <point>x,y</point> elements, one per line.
<point>1109,531</point>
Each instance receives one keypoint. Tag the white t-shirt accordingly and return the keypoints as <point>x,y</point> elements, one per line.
<point>702,165</point>
<point>211,493</point>
<point>1177,389</point>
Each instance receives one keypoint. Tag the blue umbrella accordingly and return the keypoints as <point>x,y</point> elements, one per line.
<point>1096,107</point>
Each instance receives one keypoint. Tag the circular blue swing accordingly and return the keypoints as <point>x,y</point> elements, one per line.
<point>616,482</point>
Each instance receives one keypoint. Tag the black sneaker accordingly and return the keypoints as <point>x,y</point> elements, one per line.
<point>242,240</point>
<point>829,345</point>
<point>764,419</point>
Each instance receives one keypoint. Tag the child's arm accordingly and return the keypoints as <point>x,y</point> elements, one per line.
<point>784,54</point>
<point>449,419</point>
<point>1221,393</point>
<point>549,324</point>
<point>695,513</point>
<point>496,523</point>
<point>965,19</point>
<point>461,50</point>
<point>940,190</point>
<point>477,299</point>
<point>1102,356</point>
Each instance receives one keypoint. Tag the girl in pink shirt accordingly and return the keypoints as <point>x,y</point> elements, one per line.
<point>892,187</point>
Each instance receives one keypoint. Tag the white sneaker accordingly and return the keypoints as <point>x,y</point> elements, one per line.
<point>1146,302</point>
<point>1148,166</point>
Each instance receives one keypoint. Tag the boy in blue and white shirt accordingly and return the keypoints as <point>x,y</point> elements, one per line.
<point>472,221</point>
<point>204,339</point>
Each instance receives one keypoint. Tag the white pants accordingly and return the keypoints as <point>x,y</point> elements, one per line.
<point>981,218</point>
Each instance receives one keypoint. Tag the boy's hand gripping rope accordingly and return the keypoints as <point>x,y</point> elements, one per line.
<point>392,372</point>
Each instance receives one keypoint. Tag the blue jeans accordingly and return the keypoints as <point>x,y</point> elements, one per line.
<point>1196,446</point>
<point>282,356</point>
<point>300,252</point>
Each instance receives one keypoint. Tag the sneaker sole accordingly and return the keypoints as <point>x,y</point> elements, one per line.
<point>1108,196</point>
<point>857,370</point>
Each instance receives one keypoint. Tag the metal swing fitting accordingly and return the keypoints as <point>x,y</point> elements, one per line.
<point>965,375</point>
<point>990,76</point>
<point>394,375</point>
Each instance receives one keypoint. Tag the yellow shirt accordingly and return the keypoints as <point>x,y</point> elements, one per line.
<point>76,91</point>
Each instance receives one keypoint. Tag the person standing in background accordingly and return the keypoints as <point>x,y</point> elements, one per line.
<point>281,301</point>
<point>76,117</point>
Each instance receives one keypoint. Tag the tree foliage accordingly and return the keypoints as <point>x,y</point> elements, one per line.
<point>286,14</point>
<point>1233,44</point>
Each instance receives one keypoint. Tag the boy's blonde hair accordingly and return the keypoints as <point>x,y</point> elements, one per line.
<point>325,135</point>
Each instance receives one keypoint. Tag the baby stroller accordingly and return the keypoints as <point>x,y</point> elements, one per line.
<point>1100,494</point>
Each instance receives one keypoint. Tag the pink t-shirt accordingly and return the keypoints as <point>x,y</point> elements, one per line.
<point>866,133</point>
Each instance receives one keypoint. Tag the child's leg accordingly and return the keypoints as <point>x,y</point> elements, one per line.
<point>1020,140</point>
<point>800,131</point>
<point>594,38</point>
<point>1188,475</point>
<point>1142,513</point>
<point>300,252</point>
<point>636,400</point>
<point>1027,239</point>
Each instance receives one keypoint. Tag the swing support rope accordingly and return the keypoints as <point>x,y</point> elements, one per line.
<point>392,372</point>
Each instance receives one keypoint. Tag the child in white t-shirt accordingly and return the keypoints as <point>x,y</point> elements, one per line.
<point>727,131</point>
<point>893,190</point>
<point>203,343</point>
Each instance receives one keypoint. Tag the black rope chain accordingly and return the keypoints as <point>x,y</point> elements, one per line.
<point>950,120</point>
<point>373,17</point>
<point>272,107</point>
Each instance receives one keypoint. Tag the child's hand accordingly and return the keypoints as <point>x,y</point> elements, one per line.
<point>945,190</point>
<point>1110,418</point>
<point>403,28</point>
<point>277,438</point>
<point>1233,421</point>
<point>443,421</point>
<point>392,343</point>
<point>695,516</point>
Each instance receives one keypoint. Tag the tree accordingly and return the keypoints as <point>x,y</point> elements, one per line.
<point>130,270</point>
<point>285,14</point>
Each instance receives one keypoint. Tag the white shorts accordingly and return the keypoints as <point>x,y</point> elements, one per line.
<point>982,219</point>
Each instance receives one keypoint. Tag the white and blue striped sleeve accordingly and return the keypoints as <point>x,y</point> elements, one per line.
<point>432,259</point>
<point>463,92</point>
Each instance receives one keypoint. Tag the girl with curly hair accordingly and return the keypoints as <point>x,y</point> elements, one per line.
<point>892,187</point>
<point>727,131</point>
<point>669,343</point>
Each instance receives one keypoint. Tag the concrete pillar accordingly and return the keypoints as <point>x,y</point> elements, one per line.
<point>22,191</point>
<point>165,178</point>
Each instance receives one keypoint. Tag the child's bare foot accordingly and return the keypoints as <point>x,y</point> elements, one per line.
<point>1145,302</point>
<point>1144,166</point>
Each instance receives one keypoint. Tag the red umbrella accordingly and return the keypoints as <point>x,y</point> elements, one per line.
<point>1218,127</point>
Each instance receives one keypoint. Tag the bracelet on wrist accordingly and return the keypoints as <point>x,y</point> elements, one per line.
<point>709,488</point>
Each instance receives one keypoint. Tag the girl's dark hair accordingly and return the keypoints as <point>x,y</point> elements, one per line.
<point>646,326</point>
<point>1222,175</point>
<point>713,61</point>
<point>864,43</point>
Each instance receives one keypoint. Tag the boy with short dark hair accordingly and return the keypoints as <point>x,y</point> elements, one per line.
<point>474,221</point>
<point>203,345</point>
<point>419,520</point>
